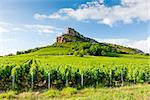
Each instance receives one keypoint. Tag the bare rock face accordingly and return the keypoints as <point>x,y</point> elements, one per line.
<point>71,35</point>
<point>69,32</point>
<point>62,39</point>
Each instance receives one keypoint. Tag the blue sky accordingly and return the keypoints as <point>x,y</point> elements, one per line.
<point>27,24</point>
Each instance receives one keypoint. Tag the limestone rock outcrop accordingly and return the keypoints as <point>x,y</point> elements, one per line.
<point>71,35</point>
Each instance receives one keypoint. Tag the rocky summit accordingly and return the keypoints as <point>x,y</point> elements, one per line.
<point>71,35</point>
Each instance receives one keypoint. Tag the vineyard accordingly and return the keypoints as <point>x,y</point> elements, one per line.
<point>42,72</point>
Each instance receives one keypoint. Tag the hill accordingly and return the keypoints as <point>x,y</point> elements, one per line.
<point>71,35</point>
<point>35,70</point>
<point>72,42</point>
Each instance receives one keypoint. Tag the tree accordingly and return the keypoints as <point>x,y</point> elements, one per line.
<point>103,53</point>
<point>76,53</point>
<point>81,53</point>
<point>95,50</point>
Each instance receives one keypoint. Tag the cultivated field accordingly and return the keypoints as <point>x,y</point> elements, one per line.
<point>31,72</point>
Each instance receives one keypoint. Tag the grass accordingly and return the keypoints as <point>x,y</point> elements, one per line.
<point>51,51</point>
<point>135,92</point>
<point>51,93</point>
<point>26,96</point>
<point>68,91</point>
<point>8,95</point>
<point>138,92</point>
<point>48,58</point>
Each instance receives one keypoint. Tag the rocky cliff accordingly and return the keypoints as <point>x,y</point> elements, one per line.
<point>71,35</point>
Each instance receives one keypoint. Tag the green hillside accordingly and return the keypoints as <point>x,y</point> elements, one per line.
<point>51,51</point>
<point>73,43</point>
<point>68,70</point>
<point>70,66</point>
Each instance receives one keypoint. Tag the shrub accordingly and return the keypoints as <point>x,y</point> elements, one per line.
<point>68,91</point>
<point>8,95</point>
<point>51,93</point>
<point>76,53</point>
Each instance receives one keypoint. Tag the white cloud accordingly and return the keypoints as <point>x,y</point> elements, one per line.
<point>47,29</point>
<point>39,28</point>
<point>9,28</point>
<point>39,17</point>
<point>143,45</point>
<point>4,27</point>
<point>3,30</point>
<point>127,12</point>
<point>53,16</point>
<point>10,35</point>
<point>3,48</point>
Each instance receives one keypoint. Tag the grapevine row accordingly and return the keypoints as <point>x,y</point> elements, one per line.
<point>34,75</point>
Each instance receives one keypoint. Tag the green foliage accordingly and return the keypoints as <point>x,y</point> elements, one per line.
<point>87,48</point>
<point>95,50</point>
<point>137,92</point>
<point>28,51</point>
<point>8,95</point>
<point>68,91</point>
<point>79,47</point>
<point>51,93</point>
<point>5,77</point>
<point>20,73</point>
<point>67,70</point>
